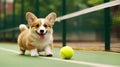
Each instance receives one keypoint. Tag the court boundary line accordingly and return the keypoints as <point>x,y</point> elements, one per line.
<point>69,61</point>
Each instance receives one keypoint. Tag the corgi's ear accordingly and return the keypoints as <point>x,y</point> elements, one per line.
<point>51,17</point>
<point>30,17</point>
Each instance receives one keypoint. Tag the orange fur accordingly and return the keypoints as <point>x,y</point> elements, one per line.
<point>33,38</point>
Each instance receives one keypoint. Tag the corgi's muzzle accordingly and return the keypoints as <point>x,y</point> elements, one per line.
<point>41,33</point>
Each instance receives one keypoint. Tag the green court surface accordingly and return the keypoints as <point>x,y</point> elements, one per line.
<point>9,58</point>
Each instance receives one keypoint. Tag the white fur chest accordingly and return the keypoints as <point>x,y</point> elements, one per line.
<point>41,44</point>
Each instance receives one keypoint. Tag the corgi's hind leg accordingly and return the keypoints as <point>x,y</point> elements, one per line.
<point>22,51</point>
<point>48,51</point>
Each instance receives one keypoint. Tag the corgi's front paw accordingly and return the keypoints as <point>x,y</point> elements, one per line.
<point>48,52</point>
<point>34,52</point>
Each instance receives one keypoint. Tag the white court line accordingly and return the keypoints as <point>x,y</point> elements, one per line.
<point>69,61</point>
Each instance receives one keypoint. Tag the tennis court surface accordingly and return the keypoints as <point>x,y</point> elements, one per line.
<point>9,58</point>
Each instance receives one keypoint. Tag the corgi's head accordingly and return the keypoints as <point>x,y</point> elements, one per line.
<point>41,26</point>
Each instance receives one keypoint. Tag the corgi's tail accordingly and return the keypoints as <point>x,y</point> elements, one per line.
<point>23,27</point>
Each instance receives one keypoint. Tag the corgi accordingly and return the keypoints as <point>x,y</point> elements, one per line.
<point>39,36</point>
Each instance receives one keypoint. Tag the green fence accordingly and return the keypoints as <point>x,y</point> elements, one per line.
<point>12,14</point>
<point>97,26</point>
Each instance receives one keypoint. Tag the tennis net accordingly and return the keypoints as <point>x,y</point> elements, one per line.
<point>78,17</point>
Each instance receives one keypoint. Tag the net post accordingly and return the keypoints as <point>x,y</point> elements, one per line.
<point>4,34</point>
<point>1,20</point>
<point>64,23</point>
<point>37,8</point>
<point>22,11</point>
<point>107,27</point>
<point>0,12</point>
<point>13,16</point>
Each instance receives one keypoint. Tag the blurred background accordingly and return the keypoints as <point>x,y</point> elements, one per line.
<point>83,32</point>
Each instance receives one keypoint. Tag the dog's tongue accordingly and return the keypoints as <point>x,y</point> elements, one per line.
<point>42,36</point>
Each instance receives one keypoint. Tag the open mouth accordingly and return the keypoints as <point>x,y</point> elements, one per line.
<point>41,35</point>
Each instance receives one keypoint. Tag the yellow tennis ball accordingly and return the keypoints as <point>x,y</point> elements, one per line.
<point>66,52</point>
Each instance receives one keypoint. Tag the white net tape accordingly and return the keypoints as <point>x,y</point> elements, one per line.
<point>88,10</point>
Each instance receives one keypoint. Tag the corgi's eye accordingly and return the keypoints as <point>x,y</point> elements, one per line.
<point>45,25</point>
<point>37,25</point>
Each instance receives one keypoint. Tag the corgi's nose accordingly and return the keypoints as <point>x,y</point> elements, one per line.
<point>41,31</point>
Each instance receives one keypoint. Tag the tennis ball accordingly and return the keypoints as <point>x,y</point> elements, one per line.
<point>66,52</point>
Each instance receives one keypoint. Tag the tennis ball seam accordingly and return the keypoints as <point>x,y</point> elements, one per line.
<point>65,56</point>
